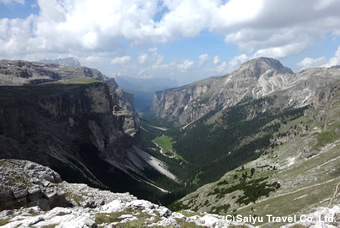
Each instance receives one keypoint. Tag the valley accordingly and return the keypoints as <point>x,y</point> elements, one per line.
<point>240,144</point>
<point>250,157</point>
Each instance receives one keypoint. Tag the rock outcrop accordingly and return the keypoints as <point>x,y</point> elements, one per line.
<point>254,79</point>
<point>83,206</point>
<point>27,184</point>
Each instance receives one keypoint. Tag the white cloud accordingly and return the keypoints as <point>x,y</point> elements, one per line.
<point>310,62</point>
<point>334,60</point>
<point>320,62</point>
<point>203,60</point>
<point>216,60</point>
<point>321,4</point>
<point>239,11</point>
<point>263,25</point>
<point>158,58</point>
<point>121,60</point>
<point>221,68</point>
<point>186,65</point>
<point>11,2</point>
<point>89,28</point>
<point>152,49</point>
<point>237,61</point>
<point>142,58</point>
<point>160,66</point>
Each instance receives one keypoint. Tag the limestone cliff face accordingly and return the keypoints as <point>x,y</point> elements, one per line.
<point>62,126</point>
<point>254,79</point>
<point>82,125</point>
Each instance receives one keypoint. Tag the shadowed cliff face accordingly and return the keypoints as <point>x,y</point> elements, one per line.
<point>56,125</point>
<point>80,124</point>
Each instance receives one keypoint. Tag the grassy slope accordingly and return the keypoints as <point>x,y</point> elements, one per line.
<point>165,142</point>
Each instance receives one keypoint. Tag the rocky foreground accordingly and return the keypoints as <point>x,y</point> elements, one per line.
<point>32,195</point>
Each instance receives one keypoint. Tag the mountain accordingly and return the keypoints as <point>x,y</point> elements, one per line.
<point>224,122</point>
<point>144,89</point>
<point>78,122</point>
<point>299,169</point>
<point>35,196</point>
<point>252,136</point>
<point>254,79</point>
<point>62,61</point>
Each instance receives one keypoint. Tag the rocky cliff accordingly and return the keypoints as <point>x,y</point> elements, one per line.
<point>80,123</point>
<point>254,79</point>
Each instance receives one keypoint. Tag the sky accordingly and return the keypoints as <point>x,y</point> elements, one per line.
<point>186,40</point>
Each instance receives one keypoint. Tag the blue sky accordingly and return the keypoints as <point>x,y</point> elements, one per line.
<point>187,40</point>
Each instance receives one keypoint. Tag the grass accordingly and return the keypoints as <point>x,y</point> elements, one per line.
<point>4,221</point>
<point>166,144</point>
<point>3,162</point>
<point>81,81</point>
<point>77,198</point>
<point>108,218</point>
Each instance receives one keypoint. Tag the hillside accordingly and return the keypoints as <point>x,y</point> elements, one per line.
<point>301,166</point>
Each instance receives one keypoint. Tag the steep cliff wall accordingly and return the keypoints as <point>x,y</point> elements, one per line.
<point>81,125</point>
<point>254,79</point>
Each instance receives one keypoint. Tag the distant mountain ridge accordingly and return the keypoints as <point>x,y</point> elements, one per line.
<point>144,89</point>
<point>63,61</point>
<point>254,79</point>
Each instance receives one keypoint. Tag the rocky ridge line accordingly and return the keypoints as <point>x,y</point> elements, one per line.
<point>254,79</point>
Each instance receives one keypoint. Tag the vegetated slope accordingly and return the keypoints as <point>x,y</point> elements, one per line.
<point>300,169</point>
<point>79,123</point>
<point>231,137</point>
<point>263,95</point>
<point>254,79</point>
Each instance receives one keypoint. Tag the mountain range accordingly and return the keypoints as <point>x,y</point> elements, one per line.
<point>242,144</point>
<point>254,79</point>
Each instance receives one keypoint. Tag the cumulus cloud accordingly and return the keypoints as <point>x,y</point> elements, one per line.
<point>121,60</point>
<point>202,60</point>
<point>216,60</point>
<point>186,65</point>
<point>310,62</point>
<point>142,58</point>
<point>263,25</point>
<point>277,29</point>
<point>334,60</point>
<point>10,2</point>
<point>237,61</point>
<point>221,68</point>
<point>320,62</point>
<point>152,49</point>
